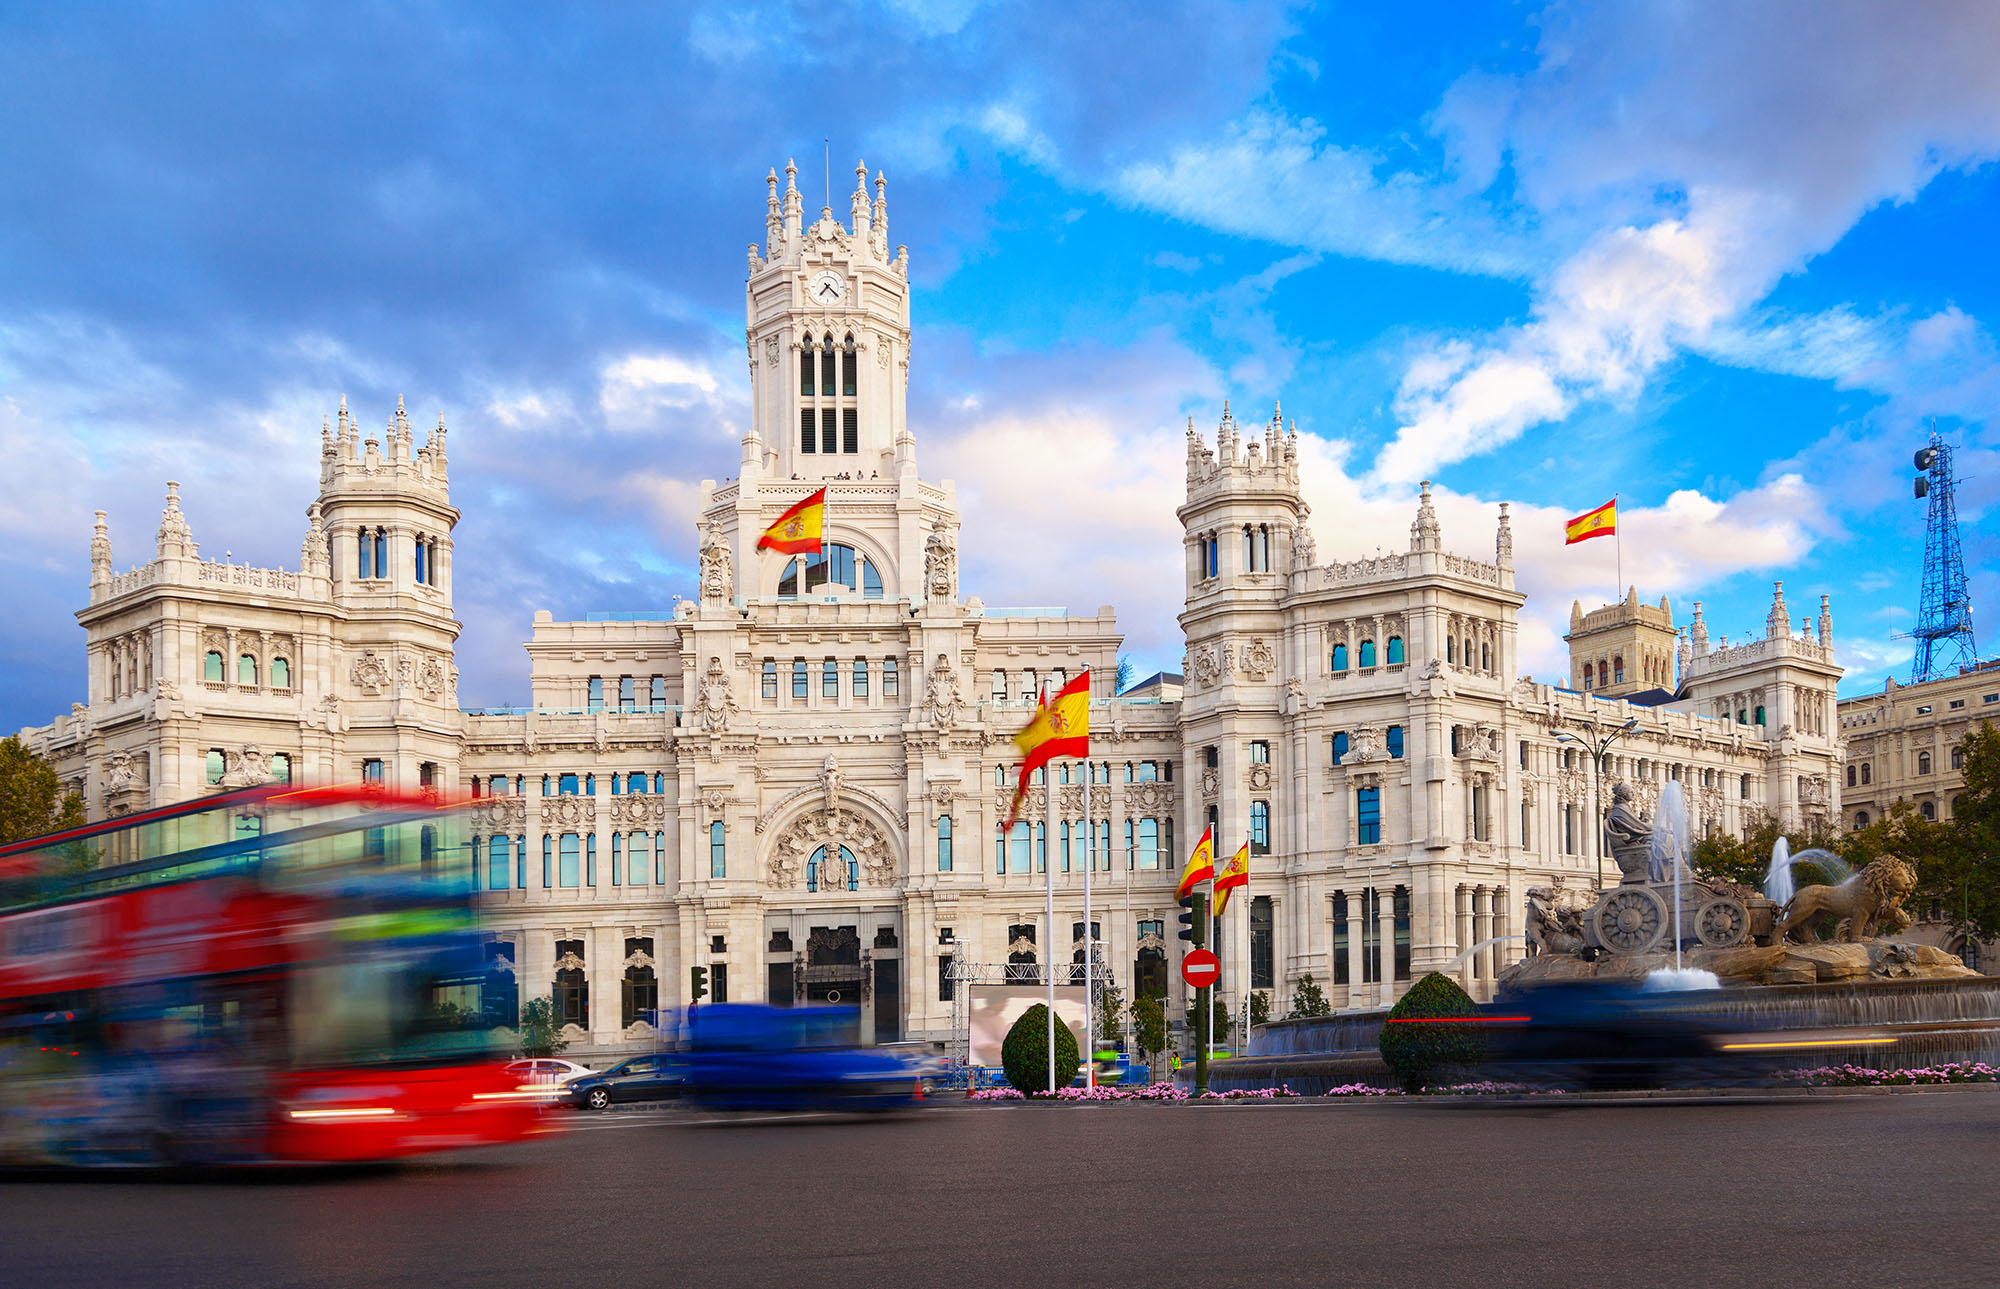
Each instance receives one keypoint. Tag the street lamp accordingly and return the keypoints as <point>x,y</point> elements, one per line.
<point>1597,747</point>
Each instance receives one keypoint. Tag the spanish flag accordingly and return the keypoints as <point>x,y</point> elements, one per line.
<point>1235,873</point>
<point>797,531</point>
<point>1060,729</point>
<point>1200,865</point>
<point>1601,522</point>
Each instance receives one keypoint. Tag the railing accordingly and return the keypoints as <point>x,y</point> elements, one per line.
<point>637,615</point>
<point>1029,611</point>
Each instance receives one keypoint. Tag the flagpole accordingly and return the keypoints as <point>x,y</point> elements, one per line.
<point>1618,545</point>
<point>1049,889</point>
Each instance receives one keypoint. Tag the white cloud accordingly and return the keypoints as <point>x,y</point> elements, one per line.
<point>636,389</point>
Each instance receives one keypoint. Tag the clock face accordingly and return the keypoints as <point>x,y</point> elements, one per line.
<point>827,288</point>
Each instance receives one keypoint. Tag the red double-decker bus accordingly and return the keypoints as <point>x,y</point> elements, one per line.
<point>276,974</point>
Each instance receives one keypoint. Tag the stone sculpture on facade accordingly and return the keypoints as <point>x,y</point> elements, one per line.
<point>717,582</point>
<point>942,703</point>
<point>940,564</point>
<point>714,703</point>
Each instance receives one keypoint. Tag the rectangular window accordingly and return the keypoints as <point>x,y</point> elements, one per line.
<point>1149,771</point>
<point>638,860</point>
<point>1524,823</point>
<point>1262,967</point>
<point>596,692</point>
<point>628,694</point>
<point>718,982</point>
<point>830,680</point>
<point>770,678</point>
<point>850,430</point>
<point>499,868</point>
<point>1340,938</point>
<point>808,432</point>
<point>521,861</point>
<point>568,873</point>
<point>1399,909</point>
<point>1131,844</point>
<point>861,678</point>
<point>889,689</point>
<point>1149,843</point>
<point>373,770</point>
<point>590,859</point>
<point>548,862</point>
<point>659,859</point>
<point>799,680</point>
<point>1371,937</point>
<point>1018,859</point>
<point>216,763</point>
<point>1368,816</point>
<point>716,849</point>
<point>1260,752</point>
<point>944,843</point>
<point>829,441</point>
<point>659,693</point>
<point>1260,827</point>
<point>566,785</point>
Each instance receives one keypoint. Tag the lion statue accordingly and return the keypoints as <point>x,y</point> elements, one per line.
<point>1875,894</point>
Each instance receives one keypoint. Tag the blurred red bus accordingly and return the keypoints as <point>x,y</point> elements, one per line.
<point>276,974</point>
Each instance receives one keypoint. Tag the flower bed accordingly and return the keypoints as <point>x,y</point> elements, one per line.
<point>1861,1076</point>
<point>1174,1093</point>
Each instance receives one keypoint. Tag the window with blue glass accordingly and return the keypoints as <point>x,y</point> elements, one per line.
<point>596,702</point>
<point>1395,651</point>
<point>822,874</point>
<point>860,678</point>
<point>716,851</point>
<point>1339,747</point>
<point>628,694</point>
<point>659,859</point>
<point>590,859</point>
<point>636,783</point>
<point>1149,843</point>
<point>1367,654</point>
<point>568,785</point>
<point>830,679</point>
<point>499,872</point>
<point>1260,827</point>
<point>617,858</point>
<point>638,860</point>
<point>1018,843</point>
<point>548,863</point>
<point>944,843</point>
<point>569,856</point>
<point>659,693</point>
<point>800,679</point>
<point>1396,741</point>
<point>1368,816</point>
<point>1340,658</point>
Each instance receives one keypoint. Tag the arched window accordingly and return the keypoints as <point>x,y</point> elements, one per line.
<point>1367,654</point>
<point>1618,669</point>
<point>1760,715</point>
<point>1213,557</point>
<point>421,569</point>
<point>806,375</point>
<point>1339,658</point>
<point>1923,763</point>
<point>1958,758</point>
<point>1395,651</point>
<point>845,877</point>
<point>826,371</point>
<point>849,371</point>
<point>1589,677</point>
<point>211,666</point>
<point>1485,658</point>
<point>1930,810</point>
<point>1850,776</point>
<point>281,674</point>
<point>364,554</point>
<point>716,853</point>
<point>1451,650</point>
<point>381,552</point>
<point>1867,772</point>
<point>1861,819</point>
<point>1249,550</point>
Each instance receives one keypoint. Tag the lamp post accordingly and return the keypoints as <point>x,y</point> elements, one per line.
<point>1598,747</point>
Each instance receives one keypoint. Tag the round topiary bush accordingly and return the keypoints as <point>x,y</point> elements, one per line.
<point>1025,1053</point>
<point>1418,1051</point>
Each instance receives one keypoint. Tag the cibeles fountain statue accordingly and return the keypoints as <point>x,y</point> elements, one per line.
<point>1660,919</point>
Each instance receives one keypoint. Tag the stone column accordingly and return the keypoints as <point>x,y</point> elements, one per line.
<point>1503,924</point>
<point>1482,929</point>
<point>606,971</point>
<point>537,974</point>
<point>1354,954</point>
<point>1385,929</point>
<point>1462,902</point>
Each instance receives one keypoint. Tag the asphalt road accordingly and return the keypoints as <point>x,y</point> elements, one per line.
<point>1881,1191</point>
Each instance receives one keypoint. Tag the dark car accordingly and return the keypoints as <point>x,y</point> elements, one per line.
<point>643,1078</point>
<point>1600,1035</point>
<point>746,1056</point>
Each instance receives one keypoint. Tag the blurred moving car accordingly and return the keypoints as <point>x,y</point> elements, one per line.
<point>748,1056</point>
<point>1594,1035</point>
<point>655,1077</point>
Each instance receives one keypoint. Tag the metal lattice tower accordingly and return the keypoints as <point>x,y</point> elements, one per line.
<point>1944,617</point>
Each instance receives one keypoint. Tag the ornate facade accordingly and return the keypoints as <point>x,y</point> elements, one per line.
<point>795,779</point>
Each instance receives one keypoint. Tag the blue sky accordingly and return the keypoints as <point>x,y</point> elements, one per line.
<point>1725,261</point>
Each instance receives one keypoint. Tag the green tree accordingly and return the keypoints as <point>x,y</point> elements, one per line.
<point>1149,1025</point>
<point>1124,676</point>
<point>1419,1052</point>
<point>1109,1014</point>
<point>1260,1008</point>
<point>541,1032</point>
<point>1307,1000</point>
<point>1746,860</point>
<point>1967,882</point>
<point>1024,1054</point>
<point>32,800</point>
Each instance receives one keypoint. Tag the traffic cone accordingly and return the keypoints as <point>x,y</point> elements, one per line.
<point>920,1090</point>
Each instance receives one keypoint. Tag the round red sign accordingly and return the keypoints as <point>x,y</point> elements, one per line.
<point>1200,968</point>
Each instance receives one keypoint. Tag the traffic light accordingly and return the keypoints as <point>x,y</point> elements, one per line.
<point>698,984</point>
<point>1194,917</point>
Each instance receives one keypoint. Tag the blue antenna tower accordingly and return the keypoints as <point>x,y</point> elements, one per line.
<point>1944,618</point>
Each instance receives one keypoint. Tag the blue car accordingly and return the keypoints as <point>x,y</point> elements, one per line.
<point>747,1056</point>
<point>642,1078</point>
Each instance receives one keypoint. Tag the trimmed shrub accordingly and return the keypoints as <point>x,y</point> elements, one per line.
<point>1025,1053</point>
<point>1308,1001</point>
<point>1418,1052</point>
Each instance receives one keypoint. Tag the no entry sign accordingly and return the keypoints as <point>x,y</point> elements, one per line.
<point>1200,968</point>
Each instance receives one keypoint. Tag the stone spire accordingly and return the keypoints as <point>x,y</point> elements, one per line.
<point>314,558</point>
<point>176,540</point>
<point>1575,616</point>
<point>1825,622</point>
<point>774,218</point>
<point>1503,541</point>
<point>858,212</point>
<point>1424,532</point>
<point>1685,652</point>
<point>1779,621</point>
<point>100,552</point>
<point>879,220</point>
<point>1698,633</point>
<point>793,210</point>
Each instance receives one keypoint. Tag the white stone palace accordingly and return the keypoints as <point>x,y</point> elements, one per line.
<point>796,777</point>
